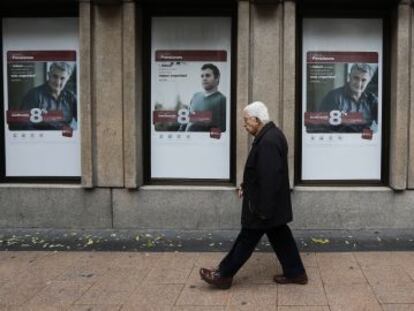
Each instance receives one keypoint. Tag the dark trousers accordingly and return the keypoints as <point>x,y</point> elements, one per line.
<point>282,242</point>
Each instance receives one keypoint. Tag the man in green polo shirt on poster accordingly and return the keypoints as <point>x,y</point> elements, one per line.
<point>209,100</point>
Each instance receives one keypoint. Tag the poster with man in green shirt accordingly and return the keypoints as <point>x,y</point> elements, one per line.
<point>210,100</point>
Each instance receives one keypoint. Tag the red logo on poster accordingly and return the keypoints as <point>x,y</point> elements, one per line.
<point>367,134</point>
<point>215,133</point>
<point>67,131</point>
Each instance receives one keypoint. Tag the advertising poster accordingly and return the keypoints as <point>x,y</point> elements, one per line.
<point>190,97</point>
<point>342,99</point>
<point>342,93</point>
<point>42,91</point>
<point>41,97</point>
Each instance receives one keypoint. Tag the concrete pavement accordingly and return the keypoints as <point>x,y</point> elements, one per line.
<point>51,280</point>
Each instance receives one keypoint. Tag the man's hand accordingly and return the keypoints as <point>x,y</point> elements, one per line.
<point>240,192</point>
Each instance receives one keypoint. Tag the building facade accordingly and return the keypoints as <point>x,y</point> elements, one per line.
<point>135,67</point>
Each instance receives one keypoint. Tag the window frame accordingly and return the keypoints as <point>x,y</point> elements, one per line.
<point>32,9</point>
<point>323,9</point>
<point>186,9</point>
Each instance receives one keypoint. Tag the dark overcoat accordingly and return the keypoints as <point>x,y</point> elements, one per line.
<point>266,191</point>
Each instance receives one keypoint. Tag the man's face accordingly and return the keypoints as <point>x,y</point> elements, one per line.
<point>208,81</point>
<point>358,81</point>
<point>251,124</point>
<point>57,80</point>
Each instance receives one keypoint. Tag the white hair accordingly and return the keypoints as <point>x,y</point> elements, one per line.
<point>258,110</point>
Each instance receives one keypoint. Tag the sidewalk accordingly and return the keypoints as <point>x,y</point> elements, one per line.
<point>169,281</point>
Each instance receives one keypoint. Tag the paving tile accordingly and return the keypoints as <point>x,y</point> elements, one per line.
<point>61,260</point>
<point>38,308</point>
<point>202,295</point>
<point>329,260</point>
<point>171,275</point>
<point>387,275</point>
<point>248,307</point>
<point>44,269</point>
<point>60,293</point>
<point>399,293</point>
<point>398,307</point>
<point>86,269</point>
<point>98,296</point>
<point>404,257</point>
<point>21,256</point>
<point>259,269</point>
<point>354,297</point>
<point>406,260</point>
<point>311,294</point>
<point>368,259</point>
<point>198,308</point>
<point>121,279</point>
<point>96,260</point>
<point>10,270</point>
<point>95,308</point>
<point>410,270</point>
<point>183,260</point>
<point>155,294</point>
<point>137,260</point>
<point>66,258</point>
<point>142,307</point>
<point>209,259</point>
<point>17,294</point>
<point>194,277</point>
<point>309,260</point>
<point>12,265</point>
<point>100,257</point>
<point>303,308</point>
<point>342,274</point>
<point>253,295</point>
<point>36,277</point>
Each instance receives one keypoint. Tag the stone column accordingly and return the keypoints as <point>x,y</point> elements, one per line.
<point>266,32</point>
<point>108,96</point>
<point>288,74</point>
<point>85,93</point>
<point>411,116</point>
<point>400,96</point>
<point>243,85</point>
<point>132,90</point>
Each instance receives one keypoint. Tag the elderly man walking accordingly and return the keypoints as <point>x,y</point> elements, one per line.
<point>266,205</point>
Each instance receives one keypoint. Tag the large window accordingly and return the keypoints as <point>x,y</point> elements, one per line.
<point>190,97</point>
<point>342,126</point>
<point>39,92</point>
<point>40,97</point>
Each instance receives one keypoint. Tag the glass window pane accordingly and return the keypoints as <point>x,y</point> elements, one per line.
<point>41,106</point>
<point>190,97</point>
<point>342,99</point>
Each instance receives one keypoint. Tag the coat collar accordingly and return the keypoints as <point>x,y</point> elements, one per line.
<point>265,128</point>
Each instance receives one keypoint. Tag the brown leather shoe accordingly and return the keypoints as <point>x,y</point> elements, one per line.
<point>213,277</point>
<point>301,279</point>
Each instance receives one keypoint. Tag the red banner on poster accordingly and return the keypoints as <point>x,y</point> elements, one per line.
<point>190,55</point>
<point>341,118</point>
<point>341,57</point>
<point>40,56</point>
<point>24,116</point>
<point>163,116</point>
